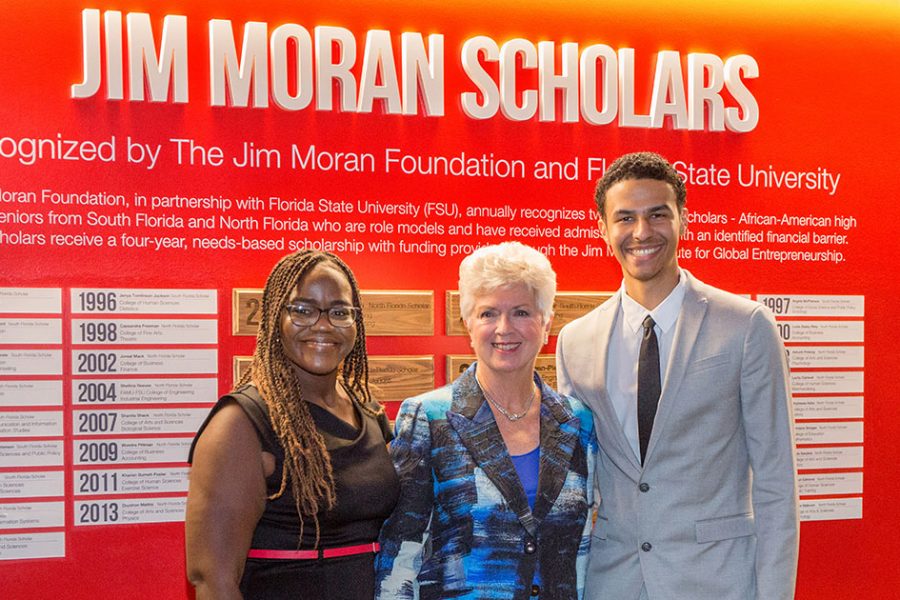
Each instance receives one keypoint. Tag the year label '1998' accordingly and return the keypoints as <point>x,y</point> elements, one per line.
<point>96,331</point>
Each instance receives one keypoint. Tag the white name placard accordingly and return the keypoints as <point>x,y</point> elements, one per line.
<point>32,484</point>
<point>144,301</point>
<point>830,484</point>
<point>30,331</point>
<point>850,432</point>
<point>118,451</point>
<point>32,514</point>
<point>130,481</point>
<point>170,420</point>
<point>842,457</point>
<point>31,393</point>
<point>30,300</point>
<point>828,407</point>
<point>31,423</point>
<point>139,362</point>
<point>789,305</point>
<point>129,512</point>
<point>825,357</point>
<point>827,382</point>
<point>831,509</point>
<point>33,545</point>
<point>30,362</point>
<point>144,331</point>
<point>93,392</point>
<point>821,331</point>
<point>31,454</point>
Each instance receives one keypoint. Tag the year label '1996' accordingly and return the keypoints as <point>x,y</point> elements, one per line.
<point>96,302</point>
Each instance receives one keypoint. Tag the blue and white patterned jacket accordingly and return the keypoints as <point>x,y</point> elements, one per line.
<point>463,527</point>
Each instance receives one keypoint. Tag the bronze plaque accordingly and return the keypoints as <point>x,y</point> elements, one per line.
<point>394,378</point>
<point>390,377</point>
<point>394,312</point>
<point>246,309</point>
<point>240,366</point>
<point>457,364</point>
<point>545,365</point>
<point>385,312</point>
<point>567,306</point>
<point>455,325</point>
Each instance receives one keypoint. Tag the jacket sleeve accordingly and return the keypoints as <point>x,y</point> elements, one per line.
<point>768,423</point>
<point>591,447</point>
<point>405,537</point>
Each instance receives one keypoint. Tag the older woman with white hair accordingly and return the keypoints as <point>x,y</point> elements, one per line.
<point>496,469</point>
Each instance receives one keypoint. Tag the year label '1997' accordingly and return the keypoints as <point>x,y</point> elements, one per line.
<point>779,305</point>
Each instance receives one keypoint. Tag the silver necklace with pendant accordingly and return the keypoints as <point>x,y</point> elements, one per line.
<point>511,416</point>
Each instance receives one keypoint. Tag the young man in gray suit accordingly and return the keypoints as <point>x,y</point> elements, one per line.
<point>693,412</point>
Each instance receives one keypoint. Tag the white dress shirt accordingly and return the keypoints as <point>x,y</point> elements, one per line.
<point>624,348</point>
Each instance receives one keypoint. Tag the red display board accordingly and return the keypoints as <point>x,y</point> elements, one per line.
<point>157,158</point>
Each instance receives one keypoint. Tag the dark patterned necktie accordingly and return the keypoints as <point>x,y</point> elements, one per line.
<point>648,384</point>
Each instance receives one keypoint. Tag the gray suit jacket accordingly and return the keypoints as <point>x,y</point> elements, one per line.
<point>713,512</point>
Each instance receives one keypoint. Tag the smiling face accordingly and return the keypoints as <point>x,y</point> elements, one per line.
<point>642,225</point>
<point>317,350</point>
<point>506,329</point>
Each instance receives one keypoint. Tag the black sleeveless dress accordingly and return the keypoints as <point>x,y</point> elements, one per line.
<point>366,488</point>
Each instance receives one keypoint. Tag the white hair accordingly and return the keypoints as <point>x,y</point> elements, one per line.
<point>500,265</point>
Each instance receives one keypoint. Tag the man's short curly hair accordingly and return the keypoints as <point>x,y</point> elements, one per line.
<point>640,165</point>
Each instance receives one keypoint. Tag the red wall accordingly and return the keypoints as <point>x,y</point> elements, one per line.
<point>825,93</point>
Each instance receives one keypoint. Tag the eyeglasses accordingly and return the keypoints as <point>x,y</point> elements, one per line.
<point>305,315</point>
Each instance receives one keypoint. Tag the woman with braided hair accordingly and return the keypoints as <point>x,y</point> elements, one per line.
<point>290,479</point>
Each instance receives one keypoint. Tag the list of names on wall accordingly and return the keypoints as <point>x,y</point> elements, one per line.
<point>824,339</point>
<point>125,376</point>
<point>32,464</point>
<point>141,362</point>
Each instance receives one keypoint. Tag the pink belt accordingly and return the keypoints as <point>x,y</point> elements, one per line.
<point>314,554</point>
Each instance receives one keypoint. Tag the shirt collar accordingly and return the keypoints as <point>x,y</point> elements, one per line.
<point>664,315</point>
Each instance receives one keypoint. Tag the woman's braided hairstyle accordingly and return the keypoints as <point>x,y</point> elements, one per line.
<point>307,464</point>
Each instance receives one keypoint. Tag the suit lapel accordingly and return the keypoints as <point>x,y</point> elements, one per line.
<point>609,430</point>
<point>693,310</point>
<point>472,419</point>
